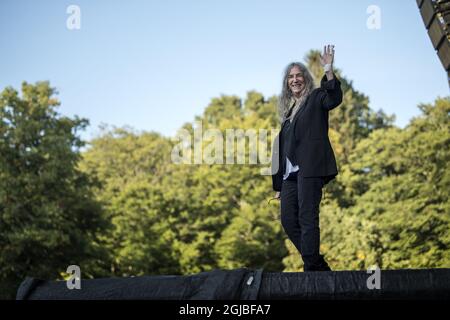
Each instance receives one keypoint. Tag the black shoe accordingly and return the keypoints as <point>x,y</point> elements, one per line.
<point>318,264</point>
<point>324,265</point>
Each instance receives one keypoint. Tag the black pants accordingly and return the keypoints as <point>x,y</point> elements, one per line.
<point>300,202</point>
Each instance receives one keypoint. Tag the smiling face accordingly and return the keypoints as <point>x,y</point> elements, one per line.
<point>296,82</point>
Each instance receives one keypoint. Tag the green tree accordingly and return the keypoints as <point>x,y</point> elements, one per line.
<point>130,166</point>
<point>400,186</point>
<point>48,218</point>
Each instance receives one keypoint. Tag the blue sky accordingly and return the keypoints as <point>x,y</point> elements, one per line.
<point>154,65</point>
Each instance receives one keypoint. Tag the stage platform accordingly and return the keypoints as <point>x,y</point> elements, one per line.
<point>248,284</point>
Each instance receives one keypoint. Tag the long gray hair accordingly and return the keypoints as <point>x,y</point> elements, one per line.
<point>286,93</point>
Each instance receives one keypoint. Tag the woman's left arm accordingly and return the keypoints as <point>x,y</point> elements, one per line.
<point>332,93</point>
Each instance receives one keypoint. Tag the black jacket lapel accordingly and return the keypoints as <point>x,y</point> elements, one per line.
<point>301,109</point>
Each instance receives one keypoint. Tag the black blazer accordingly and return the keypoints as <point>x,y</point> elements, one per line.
<point>310,147</point>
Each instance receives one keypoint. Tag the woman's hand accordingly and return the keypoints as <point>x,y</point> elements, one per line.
<point>328,55</point>
<point>326,59</point>
<point>277,197</point>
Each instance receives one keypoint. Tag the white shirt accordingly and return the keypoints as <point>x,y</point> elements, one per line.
<point>289,168</point>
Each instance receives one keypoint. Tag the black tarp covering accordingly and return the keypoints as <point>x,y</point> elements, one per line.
<point>213,285</point>
<point>246,284</point>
